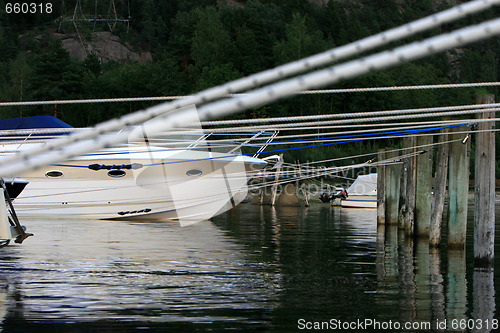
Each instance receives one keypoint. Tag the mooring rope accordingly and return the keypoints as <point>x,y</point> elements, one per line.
<point>351,115</point>
<point>301,126</point>
<point>70,146</point>
<point>304,92</point>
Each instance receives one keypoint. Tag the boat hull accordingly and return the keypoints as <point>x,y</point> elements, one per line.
<point>184,186</point>
<point>360,202</point>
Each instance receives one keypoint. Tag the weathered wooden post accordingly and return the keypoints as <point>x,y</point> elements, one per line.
<point>381,189</point>
<point>305,194</point>
<point>484,180</point>
<point>275,186</point>
<point>392,175</point>
<point>439,191</point>
<point>402,194</point>
<point>423,193</point>
<point>411,176</point>
<point>458,188</point>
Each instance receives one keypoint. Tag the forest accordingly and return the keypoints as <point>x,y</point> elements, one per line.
<point>196,44</point>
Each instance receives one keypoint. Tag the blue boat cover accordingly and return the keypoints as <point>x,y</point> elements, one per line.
<point>32,122</point>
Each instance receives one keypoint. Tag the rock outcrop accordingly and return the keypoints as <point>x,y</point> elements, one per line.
<point>103,44</point>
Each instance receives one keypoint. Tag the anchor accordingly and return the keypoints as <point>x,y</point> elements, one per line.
<point>10,227</point>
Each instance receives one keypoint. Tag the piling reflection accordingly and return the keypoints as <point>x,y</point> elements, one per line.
<point>483,303</point>
<point>431,289</point>
<point>456,291</point>
<point>438,301</point>
<point>259,267</point>
<point>423,295</point>
<point>407,283</point>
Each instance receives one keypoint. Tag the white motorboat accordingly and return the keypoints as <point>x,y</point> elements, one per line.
<point>143,181</point>
<point>362,193</point>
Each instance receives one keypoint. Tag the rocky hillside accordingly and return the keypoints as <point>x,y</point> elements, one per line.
<point>103,44</point>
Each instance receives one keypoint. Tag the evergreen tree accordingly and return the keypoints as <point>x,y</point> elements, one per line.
<point>55,75</point>
<point>300,41</point>
<point>215,75</point>
<point>92,64</point>
<point>211,42</point>
<point>20,75</point>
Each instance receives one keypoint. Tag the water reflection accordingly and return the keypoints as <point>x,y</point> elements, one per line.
<point>256,268</point>
<point>87,271</point>
<point>438,299</point>
<point>456,292</point>
<point>426,290</point>
<point>484,299</point>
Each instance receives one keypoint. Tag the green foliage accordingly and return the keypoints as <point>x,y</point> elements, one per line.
<point>300,41</point>
<point>211,43</point>
<point>55,75</point>
<point>215,75</point>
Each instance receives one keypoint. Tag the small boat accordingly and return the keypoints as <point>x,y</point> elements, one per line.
<point>362,193</point>
<point>141,180</point>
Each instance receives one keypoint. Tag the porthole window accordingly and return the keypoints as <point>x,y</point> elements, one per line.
<point>53,174</point>
<point>194,172</point>
<point>116,173</point>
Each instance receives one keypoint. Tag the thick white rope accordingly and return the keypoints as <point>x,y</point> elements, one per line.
<point>399,88</point>
<point>305,92</point>
<point>315,125</point>
<point>348,115</point>
<point>296,67</point>
<point>350,70</point>
<point>70,146</point>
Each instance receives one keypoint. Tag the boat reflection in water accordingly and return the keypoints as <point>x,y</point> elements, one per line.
<point>116,274</point>
<point>252,268</point>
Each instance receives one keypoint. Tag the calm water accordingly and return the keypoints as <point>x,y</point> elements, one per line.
<point>253,268</point>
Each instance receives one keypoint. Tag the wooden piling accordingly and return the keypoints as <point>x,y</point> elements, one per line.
<point>484,182</point>
<point>439,191</point>
<point>275,186</point>
<point>381,189</point>
<point>423,191</point>
<point>458,188</point>
<point>305,194</point>
<point>411,176</point>
<point>392,181</point>
<point>402,194</point>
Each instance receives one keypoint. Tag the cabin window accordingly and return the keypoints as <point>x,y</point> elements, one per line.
<point>194,172</point>
<point>53,174</point>
<point>116,173</point>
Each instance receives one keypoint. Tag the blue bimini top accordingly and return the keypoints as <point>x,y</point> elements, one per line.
<point>32,122</point>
